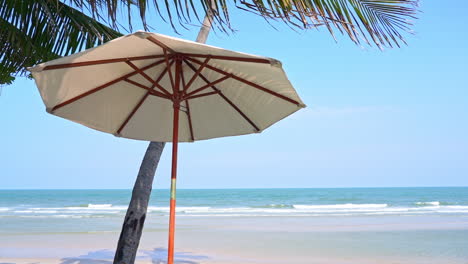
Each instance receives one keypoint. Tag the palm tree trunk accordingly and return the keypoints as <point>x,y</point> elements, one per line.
<point>206,26</point>
<point>136,213</point>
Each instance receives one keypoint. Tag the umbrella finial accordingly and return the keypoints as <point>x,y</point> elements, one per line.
<point>141,34</point>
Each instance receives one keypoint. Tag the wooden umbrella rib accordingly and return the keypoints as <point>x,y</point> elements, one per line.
<point>162,73</point>
<point>189,118</point>
<point>156,82</point>
<point>246,118</point>
<point>160,44</point>
<point>182,83</point>
<point>182,78</point>
<point>97,62</point>
<point>208,85</point>
<point>201,95</point>
<point>132,113</point>
<point>187,106</point>
<point>121,78</point>
<point>248,83</point>
<point>150,90</point>
<point>162,89</point>
<point>231,58</point>
<point>168,66</point>
<point>239,111</point>
<point>186,87</point>
<point>142,73</point>
<point>148,78</point>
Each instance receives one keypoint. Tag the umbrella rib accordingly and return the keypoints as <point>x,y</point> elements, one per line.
<point>168,65</point>
<point>183,80</point>
<point>160,44</point>
<point>187,106</point>
<point>97,62</point>
<point>200,95</point>
<point>156,82</point>
<point>139,71</point>
<point>195,75</point>
<point>189,118</point>
<point>147,77</point>
<point>239,111</point>
<point>100,87</point>
<point>150,90</point>
<point>207,86</point>
<point>226,99</point>
<point>231,58</point>
<point>132,113</point>
<point>249,83</point>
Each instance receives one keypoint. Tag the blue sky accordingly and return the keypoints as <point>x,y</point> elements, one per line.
<point>392,118</point>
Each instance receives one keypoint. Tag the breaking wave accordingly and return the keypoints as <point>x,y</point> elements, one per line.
<point>345,209</point>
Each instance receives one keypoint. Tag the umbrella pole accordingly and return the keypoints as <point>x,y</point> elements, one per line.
<point>175,140</point>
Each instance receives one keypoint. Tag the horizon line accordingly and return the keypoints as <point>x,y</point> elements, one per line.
<point>234,188</point>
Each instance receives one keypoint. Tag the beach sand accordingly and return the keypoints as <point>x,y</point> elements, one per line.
<point>249,240</point>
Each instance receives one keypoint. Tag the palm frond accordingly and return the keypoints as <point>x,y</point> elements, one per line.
<point>381,22</point>
<point>33,31</point>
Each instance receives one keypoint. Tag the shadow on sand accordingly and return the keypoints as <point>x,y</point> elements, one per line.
<point>157,256</point>
<point>95,257</point>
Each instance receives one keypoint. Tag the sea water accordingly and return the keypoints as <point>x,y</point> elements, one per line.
<point>18,208</point>
<point>419,225</point>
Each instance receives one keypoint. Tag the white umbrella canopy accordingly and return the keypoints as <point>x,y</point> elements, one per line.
<point>137,85</point>
<point>123,88</point>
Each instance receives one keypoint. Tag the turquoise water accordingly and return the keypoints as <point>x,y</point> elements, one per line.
<point>352,201</point>
<point>416,224</point>
<point>312,202</point>
<point>25,210</point>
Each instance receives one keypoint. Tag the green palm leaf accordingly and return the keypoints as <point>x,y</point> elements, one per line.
<point>378,21</point>
<point>32,31</point>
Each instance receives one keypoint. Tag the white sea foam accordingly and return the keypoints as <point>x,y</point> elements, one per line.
<point>435,203</point>
<point>96,207</point>
<point>456,207</point>
<point>58,216</point>
<point>346,209</point>
<point>99,205</point>
<point>23,211</point>
<point>179,208</point>
<point>276,206</point>
<point>340,206</point>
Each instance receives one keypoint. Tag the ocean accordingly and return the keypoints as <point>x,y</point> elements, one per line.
<point>403,225</point>
<point>340,202</point>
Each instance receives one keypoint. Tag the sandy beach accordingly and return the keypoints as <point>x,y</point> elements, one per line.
<point>242,226</point>
<point>262,132</point>
<point>228,240</point>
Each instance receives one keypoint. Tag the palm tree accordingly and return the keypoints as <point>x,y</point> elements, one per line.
<point>33,31</point>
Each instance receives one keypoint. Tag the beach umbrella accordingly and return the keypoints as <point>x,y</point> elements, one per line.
<point>153,87</point>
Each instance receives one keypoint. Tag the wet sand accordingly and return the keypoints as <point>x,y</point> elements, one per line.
<point>249,240</point>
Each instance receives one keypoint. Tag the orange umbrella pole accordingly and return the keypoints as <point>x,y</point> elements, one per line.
<point>170,257</point>
<point>175,141</point>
